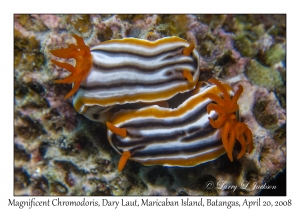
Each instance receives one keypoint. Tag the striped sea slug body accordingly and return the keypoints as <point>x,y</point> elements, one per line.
<point>171,137</point>
<point>131,70</point>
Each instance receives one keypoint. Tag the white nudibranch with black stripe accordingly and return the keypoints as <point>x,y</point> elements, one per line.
<point>128,70</point>
<point>171,137</point>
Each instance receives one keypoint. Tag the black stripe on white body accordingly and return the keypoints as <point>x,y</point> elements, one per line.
<point>126,70</point>
<point>171,138</point>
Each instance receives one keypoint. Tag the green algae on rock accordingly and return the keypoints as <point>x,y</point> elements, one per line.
<point>263,76</point>
<point>245,46</point>
<point>175,25</point>
<point>81,23</point>
<point>105,35</point>
<point>131,17</point>
<point>247,40</point>
<point>275,55</point>
<point>31,23</point>
<point>27,54</point>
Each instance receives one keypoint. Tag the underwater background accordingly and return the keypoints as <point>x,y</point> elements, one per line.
<point>60,152</point>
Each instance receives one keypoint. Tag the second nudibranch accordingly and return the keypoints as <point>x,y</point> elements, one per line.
<point>128,71</point>
<point>171,137</point>
<point>185,136</point>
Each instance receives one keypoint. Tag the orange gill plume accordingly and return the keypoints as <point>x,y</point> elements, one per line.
<point>226,108</point>
<point>82,55</point>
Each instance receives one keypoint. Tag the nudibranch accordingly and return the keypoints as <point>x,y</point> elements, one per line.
<point>181,136</point>
<point>128,70</point>
<point>226,108</point>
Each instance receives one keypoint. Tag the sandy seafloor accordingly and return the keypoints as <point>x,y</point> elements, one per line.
<point>60,152</point>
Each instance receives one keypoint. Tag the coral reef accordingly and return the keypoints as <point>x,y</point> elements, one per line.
<point>263,76</point>
<point>59,152</point>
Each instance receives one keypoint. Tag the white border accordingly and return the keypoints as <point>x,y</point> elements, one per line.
<point>153,6</point>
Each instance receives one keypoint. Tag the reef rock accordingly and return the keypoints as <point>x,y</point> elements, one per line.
<point>59,152</point>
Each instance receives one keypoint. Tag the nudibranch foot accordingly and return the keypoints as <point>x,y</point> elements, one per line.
<point>232,129</point>
<point>82,55</point>
<point>119,131</point>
